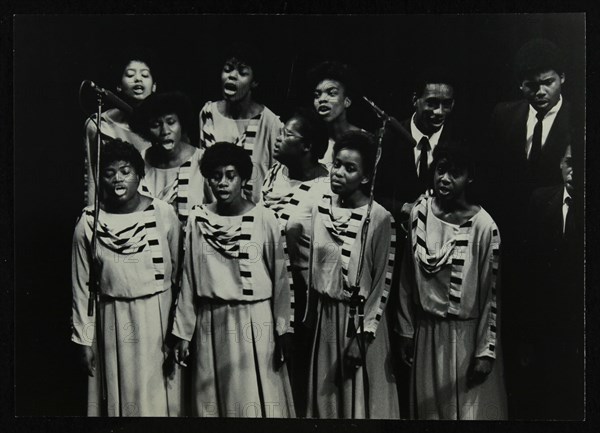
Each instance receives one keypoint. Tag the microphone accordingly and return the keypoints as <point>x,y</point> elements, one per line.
<point>391,120</point>
<point>111,97</point>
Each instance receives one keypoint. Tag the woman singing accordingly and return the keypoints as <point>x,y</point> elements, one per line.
<point>136,82</point>
<point>124,349</point>
<point>449,309</point>
<point>235,304</point>
<point>172,163</point>
<point>334,85</point>
<point>337,388</point>
<point>293,186</point>
<point>239,119</point>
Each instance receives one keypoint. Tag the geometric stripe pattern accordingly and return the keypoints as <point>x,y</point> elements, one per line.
<point>288,268</point>
<point>182,188</point>
<point>388,272</point>
<point>452,253</point>
<point>133,239</point>
<point>175,194</point>
<point>155,247</point>
<point>344,231</point>
<point>232,242</point>
<point>493,306</point>
<point>283,204</point>
<point>430,261</point>
<point>130,240</point>
<point>245,140</point>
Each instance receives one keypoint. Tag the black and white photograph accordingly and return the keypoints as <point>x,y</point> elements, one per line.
<point>347,217</point>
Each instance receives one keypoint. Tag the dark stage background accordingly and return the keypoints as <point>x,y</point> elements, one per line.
<point>53,54</point>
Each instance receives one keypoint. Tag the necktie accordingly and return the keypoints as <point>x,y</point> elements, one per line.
<point>569,222</point>
<point>423,168</point>
<point>536,142</point>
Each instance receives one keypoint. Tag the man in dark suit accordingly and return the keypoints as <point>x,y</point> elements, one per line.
<point>527,141</point>
<point>552,303</point>
<point>404,169</point>
<point>529,136</point>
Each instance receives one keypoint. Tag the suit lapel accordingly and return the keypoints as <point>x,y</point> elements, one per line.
<point>520,130</point>
<point>555,142</point>
<point>554,215</point>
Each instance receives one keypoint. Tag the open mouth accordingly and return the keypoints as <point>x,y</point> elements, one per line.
<point>167,144</point>
<point>324,110</point>
<point>120,191</point>
<point>443,190</point>
<point>138,89</point>
<point>229,88</point>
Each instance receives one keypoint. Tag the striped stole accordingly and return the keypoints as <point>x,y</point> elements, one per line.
<point>388,271</point>
<point>288,268</point>
<point>344,232</point>
<point>494,307</point>
<point>452,253</point>
<point>133,239</point>
<point>232,242</point>
<point>176,193</point>
<point>283,203</point>
<point>246,140</point>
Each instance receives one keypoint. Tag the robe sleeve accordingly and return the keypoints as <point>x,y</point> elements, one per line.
<point>488,290</point>
<point>278,264</point>
<point>184,322</point>
<point>82,325</point>
<point>383,250</point>
<point>405,313</point>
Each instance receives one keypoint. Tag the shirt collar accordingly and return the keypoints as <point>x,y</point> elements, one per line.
<point>565,195</point>
<point>552,111</point>
<point>418,135</point>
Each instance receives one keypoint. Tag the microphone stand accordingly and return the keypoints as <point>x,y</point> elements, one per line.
<point>94,283</point>
<point>382,115</point>
<point>357,301</point>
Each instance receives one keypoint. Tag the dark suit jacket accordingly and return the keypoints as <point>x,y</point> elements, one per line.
<point>548,251</point>
<point>552,304</point>
<point>397,179</point>
<point>509,130</point>
<point>509,175</point>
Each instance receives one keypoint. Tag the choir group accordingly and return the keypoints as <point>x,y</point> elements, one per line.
<point>296,268</point>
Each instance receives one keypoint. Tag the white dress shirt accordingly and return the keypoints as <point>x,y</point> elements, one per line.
<point>546,124</point>
<point>418,135</point>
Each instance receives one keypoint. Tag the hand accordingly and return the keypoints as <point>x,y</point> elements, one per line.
<point>480,370</point>
<point>87,360</point>
<point>181,351</point>
<point>283,349</point>
<point>407,349</point>
<point>352,357</point>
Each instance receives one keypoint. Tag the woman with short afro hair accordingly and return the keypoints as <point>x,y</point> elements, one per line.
<point>235,303</point>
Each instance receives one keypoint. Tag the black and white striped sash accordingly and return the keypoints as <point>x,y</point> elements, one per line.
<point>246,139</point>
<point>176,194</point>
<point>494,306</point>
<point>232,242</point>
<point>283,203</point>
<point>388,271</point>
<point>452,253</point>
<point>343,230</point>
<point>133,239</point>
